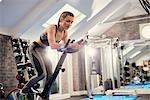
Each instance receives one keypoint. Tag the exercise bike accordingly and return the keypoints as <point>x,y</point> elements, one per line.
<point>44,95</point>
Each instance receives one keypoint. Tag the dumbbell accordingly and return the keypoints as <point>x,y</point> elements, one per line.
<point>126,68</point>
<point>23,43</point>
<point>20,85</point>
<point>2,91</point>
<point>127,74</point>
<point>18,77</point>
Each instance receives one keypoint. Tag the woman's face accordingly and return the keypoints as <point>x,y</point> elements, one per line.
<point>67,22</point>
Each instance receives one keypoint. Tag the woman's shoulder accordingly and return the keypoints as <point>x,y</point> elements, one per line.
<point>50,29</point>
<point>52,26</point>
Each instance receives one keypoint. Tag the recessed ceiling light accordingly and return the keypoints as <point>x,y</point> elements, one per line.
<point>0,0</point>
<point>135,54</point>
<point>146,31</point>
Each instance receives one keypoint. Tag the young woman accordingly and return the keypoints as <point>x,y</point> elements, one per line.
<point>51,36</point>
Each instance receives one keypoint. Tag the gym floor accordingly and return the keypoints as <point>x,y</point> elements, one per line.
<point>76,98</point>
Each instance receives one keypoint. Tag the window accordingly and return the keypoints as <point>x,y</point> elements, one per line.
<point>54,19</point>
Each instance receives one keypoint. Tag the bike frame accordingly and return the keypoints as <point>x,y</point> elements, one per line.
<point>46,91</point>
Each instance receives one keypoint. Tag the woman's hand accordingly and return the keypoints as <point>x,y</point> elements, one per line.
<point>74,45</point>
<point>72,48</point>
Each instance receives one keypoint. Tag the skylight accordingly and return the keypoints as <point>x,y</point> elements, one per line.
<point>54,19</point>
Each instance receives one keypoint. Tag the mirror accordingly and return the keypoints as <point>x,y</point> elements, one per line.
<point>101,56</point>
<point>135,61</point>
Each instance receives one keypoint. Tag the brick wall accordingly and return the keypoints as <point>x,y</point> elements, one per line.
<point>127,28</point>
<point>8,69</point>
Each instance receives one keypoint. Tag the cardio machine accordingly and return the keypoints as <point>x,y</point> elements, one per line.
<point>44,95</point>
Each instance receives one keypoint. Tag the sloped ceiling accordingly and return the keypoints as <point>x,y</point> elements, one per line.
<point>14,11</point>
<point>25,17</point>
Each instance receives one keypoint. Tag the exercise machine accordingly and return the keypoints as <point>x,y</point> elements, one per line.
<point>44,95</point>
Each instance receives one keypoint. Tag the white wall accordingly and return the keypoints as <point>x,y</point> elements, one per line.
<point>141,59</point>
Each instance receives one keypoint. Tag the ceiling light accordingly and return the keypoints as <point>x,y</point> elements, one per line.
<point>135,54</point>
<point>0,0</point>
<point>146,31</point>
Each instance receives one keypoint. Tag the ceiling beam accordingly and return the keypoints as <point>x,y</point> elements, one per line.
<point>109,12</point>
<point>35,14</point>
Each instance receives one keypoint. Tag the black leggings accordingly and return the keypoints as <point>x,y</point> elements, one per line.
<point>40,61</point>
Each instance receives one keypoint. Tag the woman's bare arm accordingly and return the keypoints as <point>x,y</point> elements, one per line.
<point>51,37</point>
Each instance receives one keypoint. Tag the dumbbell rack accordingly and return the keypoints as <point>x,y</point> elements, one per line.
<point>24,67</point>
